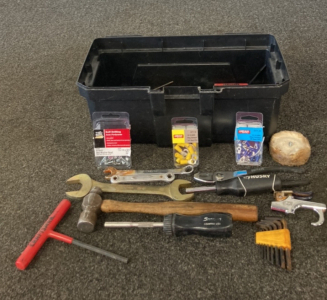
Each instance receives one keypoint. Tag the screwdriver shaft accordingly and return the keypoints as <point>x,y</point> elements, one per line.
<point>133,224</point>
<point>200,189</point>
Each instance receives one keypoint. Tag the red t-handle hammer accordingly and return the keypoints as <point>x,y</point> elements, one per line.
<point>47,231</point>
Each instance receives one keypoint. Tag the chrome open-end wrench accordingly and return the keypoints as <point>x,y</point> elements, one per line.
<point>167,177</point>
<point>128,176</point>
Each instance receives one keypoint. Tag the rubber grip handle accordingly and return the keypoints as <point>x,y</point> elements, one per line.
<point>209,225</point>
<point>42,235</point>
<point>239,212</point>
<point>275,169</point>
<point>243,186</point>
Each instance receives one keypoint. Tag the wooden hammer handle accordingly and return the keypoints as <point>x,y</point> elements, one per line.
<point>239,212</point>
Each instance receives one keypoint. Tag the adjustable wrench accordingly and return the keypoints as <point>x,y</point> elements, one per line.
<point>171,190</point>
<point>126,176</point>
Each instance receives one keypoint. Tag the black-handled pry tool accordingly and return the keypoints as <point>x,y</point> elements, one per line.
<point>207,177</point>
<point>243,186</point>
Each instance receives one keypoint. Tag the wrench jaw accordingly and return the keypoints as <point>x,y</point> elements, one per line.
<point>86,182</point>
<point>175,192</point>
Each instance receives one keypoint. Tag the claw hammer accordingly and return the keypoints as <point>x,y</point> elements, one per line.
<point>47,231</point>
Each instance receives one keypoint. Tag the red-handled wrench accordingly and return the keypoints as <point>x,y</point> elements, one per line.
<point>47,231</point>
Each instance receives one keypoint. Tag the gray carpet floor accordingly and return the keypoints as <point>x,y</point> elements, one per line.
<point>46,137</point>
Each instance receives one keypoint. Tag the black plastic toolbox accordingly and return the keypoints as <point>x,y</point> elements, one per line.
<point>213,77</point>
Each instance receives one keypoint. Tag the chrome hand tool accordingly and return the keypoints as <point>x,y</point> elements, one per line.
<point>130,176</point>
<point>288,202</point>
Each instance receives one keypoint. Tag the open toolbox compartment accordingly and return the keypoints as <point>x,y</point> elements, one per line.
<point>211,78</point>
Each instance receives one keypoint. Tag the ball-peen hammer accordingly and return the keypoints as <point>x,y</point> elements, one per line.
<point>47,231</point>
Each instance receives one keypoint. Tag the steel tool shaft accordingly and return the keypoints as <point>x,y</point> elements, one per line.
<point>47,231</point>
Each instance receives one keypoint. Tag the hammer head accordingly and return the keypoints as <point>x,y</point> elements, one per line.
<point>91,207</point>
<point>86,182</point>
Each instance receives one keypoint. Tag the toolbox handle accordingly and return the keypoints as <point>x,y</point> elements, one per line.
<point>162,118</point>
<point>158,101</point>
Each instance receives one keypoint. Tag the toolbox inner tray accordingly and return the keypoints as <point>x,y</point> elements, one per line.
<point>208,77</point>
<point>194,68</point>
